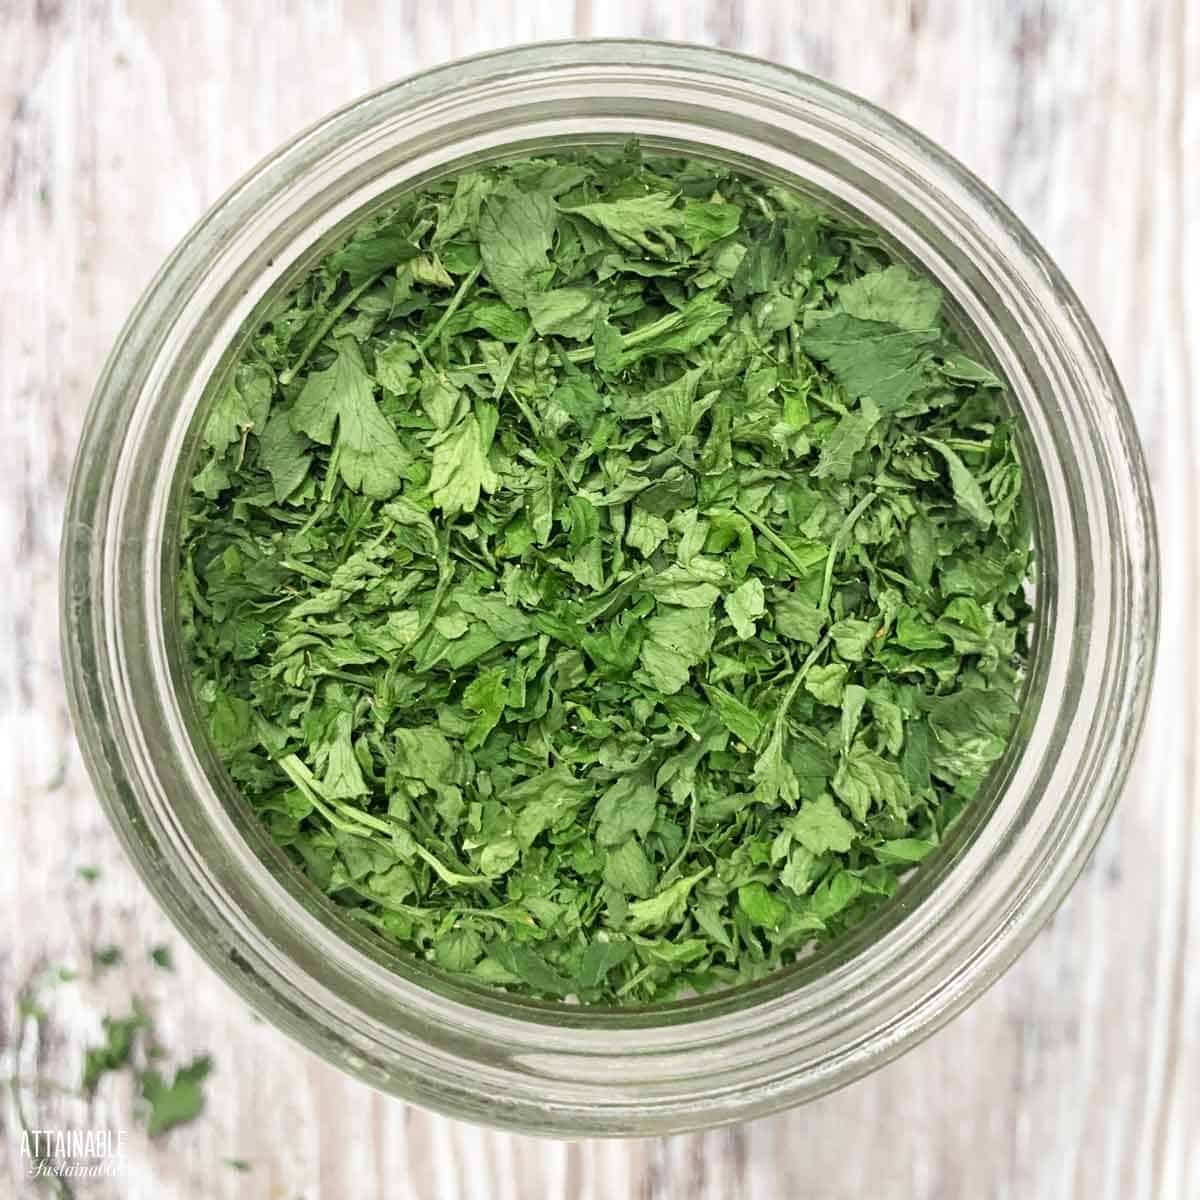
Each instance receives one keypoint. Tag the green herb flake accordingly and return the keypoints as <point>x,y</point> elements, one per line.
<point>605,576</point>
<point>174,1103</point>
<point>120,1034</point>
<point>161,957</point>
<point>106,956</point>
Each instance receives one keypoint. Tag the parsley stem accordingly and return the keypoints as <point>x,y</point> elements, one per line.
<point>439,594</point>
<point>635,337</point>
<point>644,973</point>
<point>452,307</point>
<point>427,831</point>
<point>621,592</point>
<point>345,817</point>
<point>774,539</point>
<point>442,871</point>
<point>687,841</point>
<point>344,676</point>
<point>798,679</point>
<point>507,370</point>
<point>305,569</point>
<point>836,548</point>
<point>326,325</point>
<point>317,514</point>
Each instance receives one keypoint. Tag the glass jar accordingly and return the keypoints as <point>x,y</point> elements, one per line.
<point>562,1069</point>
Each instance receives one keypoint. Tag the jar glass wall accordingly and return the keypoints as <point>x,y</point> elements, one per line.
<point>564,1069</point>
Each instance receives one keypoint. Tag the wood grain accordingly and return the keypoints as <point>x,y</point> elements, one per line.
<point>1078,1075</point>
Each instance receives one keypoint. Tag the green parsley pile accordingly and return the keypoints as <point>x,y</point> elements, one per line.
<point>606,575</point>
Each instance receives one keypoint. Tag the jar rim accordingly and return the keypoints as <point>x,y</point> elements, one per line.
<point>550,1068</point>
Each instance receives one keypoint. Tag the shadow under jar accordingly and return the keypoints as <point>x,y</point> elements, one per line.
<point>558,1069</point>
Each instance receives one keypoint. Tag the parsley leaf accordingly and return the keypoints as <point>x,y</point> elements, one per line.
<point>369,455</point>
<point>515,234</point>
<point>872,359</point>
<point>120,1035</point>
<point>460,469</point>
<point>180,1100</point>
<point>894,297</point>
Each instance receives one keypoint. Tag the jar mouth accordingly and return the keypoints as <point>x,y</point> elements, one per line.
<point>813,965</point>
<point>552,1067</point>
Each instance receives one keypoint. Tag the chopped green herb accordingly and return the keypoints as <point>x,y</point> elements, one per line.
<point>161,957</point>
<point>88,874</point>
<point>107,956</point>
<point>173,1103</point>
<point>119,1037</point>
<point>605,575</point>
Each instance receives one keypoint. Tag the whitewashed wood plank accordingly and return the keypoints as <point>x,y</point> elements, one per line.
<point>1076,1075</point>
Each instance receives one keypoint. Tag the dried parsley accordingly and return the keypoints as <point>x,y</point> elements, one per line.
<point>606,575</point>
<point>166,1104</point>
<point>174,1103</point>
<point>120,1035</point>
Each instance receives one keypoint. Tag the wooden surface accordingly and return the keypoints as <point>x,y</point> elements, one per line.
<point>1078,1075</point>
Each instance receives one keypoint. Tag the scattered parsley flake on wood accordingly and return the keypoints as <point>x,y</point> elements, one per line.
<point>164,1104</point>
<point>606,575</point>
<point>120,1035</point>
<point>174,1103</point>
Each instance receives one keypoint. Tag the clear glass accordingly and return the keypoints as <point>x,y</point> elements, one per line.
<point>571,1070</point>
